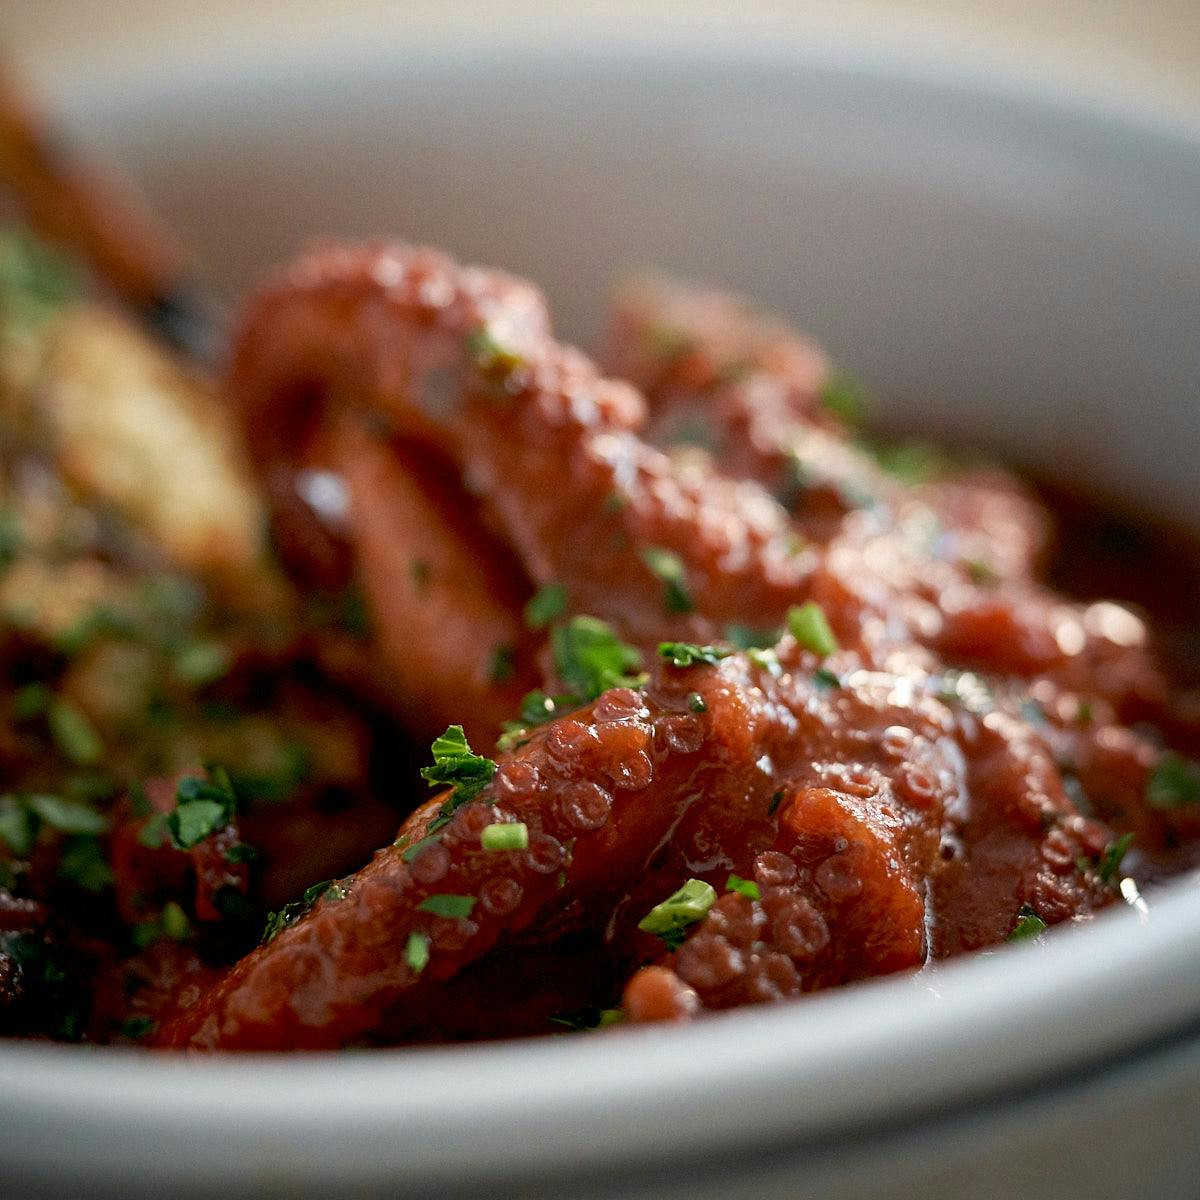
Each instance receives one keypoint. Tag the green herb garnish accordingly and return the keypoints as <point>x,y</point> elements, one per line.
<point>36,281</point>
<point>547,605</point>
<point>454,763</point>
<point>688,654</point>
<point>825,680</point>
<point>846,399</point>
<point>202,807</point>
<point>1029,924</point>
<point>669,567</point>
<point>291,912</point>
<point>696,702</point>
<point>135,1028</point>
<point>808,624</point>
<point>670,918</point>
<point>1173,783</point>
<point>588,1019</point>
<point>1109,862</point>
<point>745,637</point>
<point>67,816</point>
<point>512,835</point>
<point>73,733</point>
<point>416,951</point>
<point>491,355</point>
<point>417,847</point>
<point>590,658</point>
<point>743,887</point>
<point>83,865</point>
<point>200,663</point>
<point>503,664</point>
<point>448,905</point>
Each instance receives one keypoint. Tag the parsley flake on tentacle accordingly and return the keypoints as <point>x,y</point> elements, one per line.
<point>688,654</point>
<point>590,658</point>
<point>670,918</point>
<point>744,887</point>
<point>293,911</point>
<point>456,764</point>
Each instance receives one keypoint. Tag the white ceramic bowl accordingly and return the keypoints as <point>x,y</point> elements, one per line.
<point>1008,266</point>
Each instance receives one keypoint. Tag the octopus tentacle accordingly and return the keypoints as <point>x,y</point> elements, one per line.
<point>622,801</point>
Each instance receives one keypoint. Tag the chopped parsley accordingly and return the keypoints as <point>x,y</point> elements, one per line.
<point>456,764</point>
<point>743,887</point>
<point>67,816</point>
<point>291,912</point>
<point>416,951</point>
<point>175,923</point>
<point>981,572</point>
<point>547,606</point>
<point>73,733</point>
<point>36,280</point>
<point>825,680</point>
<point>201,662</point>
<point>688,654</point>
<point>696,702</point>
<point>172,923</point>
<point>134,1028</point>
<point>202,807</point>
<point>808,624</point>
<point>767,660</point>
<point>911,462</point>
<point>746,637</point>
<point>30,701</point>
<point>448,905</point>
<point>22,816</point>
<point>83,865</point>
<point>1109,862</point>
<point>590,658</point>
<point>1029,924</point>
<point>588,1019</point>
<point>668,567</point>
<point>417,847</point>
<point>670,918</point>
<point>967,689</point>
<point>776,801</point>
<point>18,827</point>
<point>846,399</point>
<point>504,836</point>
<point>503,664</point>
<point>490,354</point>
<point>1173,783</point>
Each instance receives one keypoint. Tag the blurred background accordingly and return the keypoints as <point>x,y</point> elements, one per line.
<point>1148,50</point>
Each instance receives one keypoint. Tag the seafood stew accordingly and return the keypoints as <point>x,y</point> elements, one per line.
<point>728,700</point>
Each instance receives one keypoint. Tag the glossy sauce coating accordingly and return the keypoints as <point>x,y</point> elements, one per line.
<point>960,760</point>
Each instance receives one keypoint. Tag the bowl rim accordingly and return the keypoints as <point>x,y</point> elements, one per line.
<point>1014,1018</point>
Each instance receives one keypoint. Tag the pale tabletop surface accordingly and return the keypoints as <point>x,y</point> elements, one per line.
<point>1147,53</point>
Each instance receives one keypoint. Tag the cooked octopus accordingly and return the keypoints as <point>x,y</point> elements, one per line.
<point>930,759</point>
